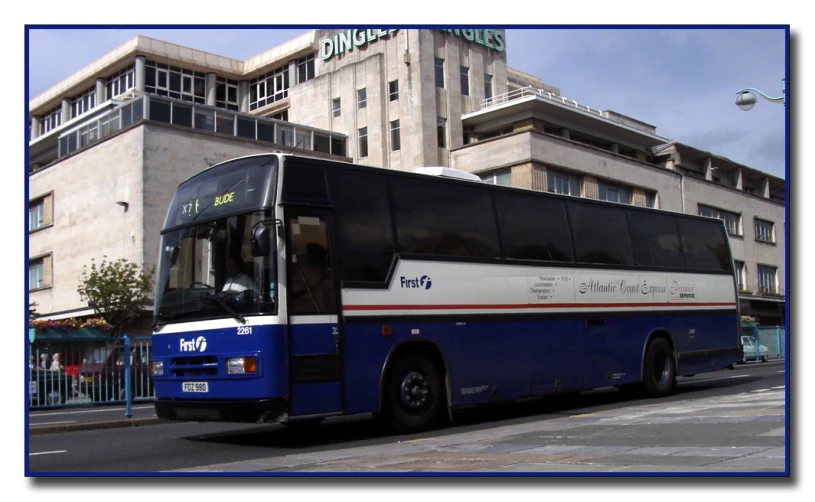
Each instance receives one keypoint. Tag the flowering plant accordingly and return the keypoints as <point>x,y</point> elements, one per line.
<point>748,319</point>
<point>71,323</point>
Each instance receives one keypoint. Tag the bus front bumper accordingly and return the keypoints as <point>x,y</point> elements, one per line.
<point>206,410</point>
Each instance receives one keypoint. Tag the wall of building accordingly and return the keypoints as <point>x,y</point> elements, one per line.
<point>744,248</point>
<point>88,224</point>
<point>562,154</point>
<point>420,101</point>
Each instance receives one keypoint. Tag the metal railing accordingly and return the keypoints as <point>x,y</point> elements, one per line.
<point>83,373</point>
<point>531,91</point>
<point>766,343</point>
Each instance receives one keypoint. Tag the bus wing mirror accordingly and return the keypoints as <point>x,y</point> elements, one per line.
<point>261,242</point>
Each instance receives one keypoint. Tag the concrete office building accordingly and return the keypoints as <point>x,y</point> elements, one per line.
<point>129,127</point>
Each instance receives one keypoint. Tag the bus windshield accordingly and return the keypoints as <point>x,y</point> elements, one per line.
<point>207,271</point>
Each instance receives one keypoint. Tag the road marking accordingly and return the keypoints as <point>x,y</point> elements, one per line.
<point>53,423</point>
<point>47,453</point>
<point>91,411</point>
<point>713,379</point>
<point>780,387</point>
<point>782,371</point>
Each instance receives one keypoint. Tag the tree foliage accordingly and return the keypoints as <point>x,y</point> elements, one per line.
<point>117,290</point>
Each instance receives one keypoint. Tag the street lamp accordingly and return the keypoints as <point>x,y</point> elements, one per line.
<point>746,100</point>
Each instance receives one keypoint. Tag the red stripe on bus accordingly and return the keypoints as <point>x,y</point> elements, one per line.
<point>534,306</point>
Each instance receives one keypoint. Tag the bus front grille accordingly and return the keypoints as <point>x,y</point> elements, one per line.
<point>192,366</point>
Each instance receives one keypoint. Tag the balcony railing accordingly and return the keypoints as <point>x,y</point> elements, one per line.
<point>531,91</point>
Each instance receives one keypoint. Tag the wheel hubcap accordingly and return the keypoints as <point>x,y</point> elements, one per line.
<point>662,370</point>
<point>414,391</point>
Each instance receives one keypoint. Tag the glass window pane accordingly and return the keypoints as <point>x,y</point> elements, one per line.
<point>182,115</point>
<point>265,131</point>
<point>225,124</point>
<point>444,219</point>
<point>600,233</point>
<point>204,120</point>
<point>365,231</point>
<point>439,65</point>
<point>656,240</point>
<point>160,111</point>
<point>246,128</point>
<point>705,245</point>
<point>322,143</point>
<point>533,228</point>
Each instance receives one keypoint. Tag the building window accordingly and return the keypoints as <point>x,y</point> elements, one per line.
<point>38,268</point>
<point>174,82</point>
<point>767,279</point>
<point>335,107</point>
<point>487,86</point>
<point>268,88</point>
<point>441,131</point>
<point>562,183</point>
<point>363,142</point>
<point>51,120</point>
<point>226,92</point>
<point>500,177</point>
<point>83,103</point>
<point>393,90</point>
<point>36,214</point>
<point>305,69</point>
<point>362,98</point>
<point>465,81</point>
<point>439,72</point>
<point>732,221</point>
<point>284,136</point>
<point>741,275</point>
<point>284,116</point>
<point>650,199</point>
<point>396,142</point>
<point>614,193</point>
<point>121,82</point>
<point>765,230</point>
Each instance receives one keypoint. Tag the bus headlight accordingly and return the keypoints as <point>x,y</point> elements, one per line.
<point>241,365</point>
<point>157,368</point>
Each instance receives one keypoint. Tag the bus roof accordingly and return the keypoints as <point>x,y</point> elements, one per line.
<point>446,172</point>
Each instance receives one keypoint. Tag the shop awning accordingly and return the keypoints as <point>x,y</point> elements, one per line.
<point>73,335</point>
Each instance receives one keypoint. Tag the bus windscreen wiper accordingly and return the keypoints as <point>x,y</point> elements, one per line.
<point>219,301</point>
<point>162,319</point>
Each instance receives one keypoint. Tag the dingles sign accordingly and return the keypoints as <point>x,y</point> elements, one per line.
<point>345,41</point>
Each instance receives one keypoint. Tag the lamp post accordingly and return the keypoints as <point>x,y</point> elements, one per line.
<point>746,100</point>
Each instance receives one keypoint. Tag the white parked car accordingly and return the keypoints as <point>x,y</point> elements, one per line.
<point>749,350</point>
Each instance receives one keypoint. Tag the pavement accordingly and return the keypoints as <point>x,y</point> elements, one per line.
<point>731,434</point>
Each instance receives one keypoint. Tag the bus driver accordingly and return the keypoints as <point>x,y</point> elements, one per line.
<point>236,280</point>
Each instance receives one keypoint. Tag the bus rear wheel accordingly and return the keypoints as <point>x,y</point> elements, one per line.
<point>659,375</point>
<point>413,394</point>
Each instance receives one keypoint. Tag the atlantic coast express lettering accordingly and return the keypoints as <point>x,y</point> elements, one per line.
<point>345,41</point>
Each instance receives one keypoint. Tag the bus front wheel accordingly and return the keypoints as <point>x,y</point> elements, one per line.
<point>659,376</point>
<point>413,394</point>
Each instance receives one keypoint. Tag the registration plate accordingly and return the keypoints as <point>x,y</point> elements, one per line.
<point>195,387</point>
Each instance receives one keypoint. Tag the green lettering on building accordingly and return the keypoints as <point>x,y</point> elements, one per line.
<point>345,41</point>
<point>491,39</point>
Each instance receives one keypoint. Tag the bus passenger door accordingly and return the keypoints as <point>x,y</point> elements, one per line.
<point>314,331</point>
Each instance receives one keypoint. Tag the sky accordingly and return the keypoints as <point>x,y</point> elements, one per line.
<point>683,81</point>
